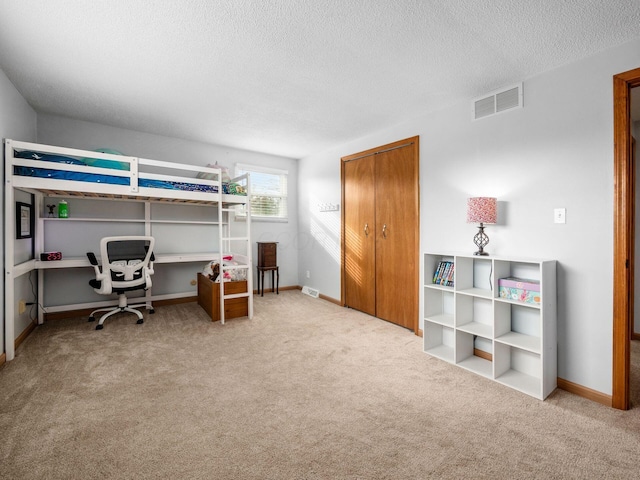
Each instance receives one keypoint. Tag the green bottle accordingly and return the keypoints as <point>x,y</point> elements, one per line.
<point>63,209</point>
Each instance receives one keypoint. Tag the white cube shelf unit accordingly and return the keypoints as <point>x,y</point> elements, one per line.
<point>470,325</point>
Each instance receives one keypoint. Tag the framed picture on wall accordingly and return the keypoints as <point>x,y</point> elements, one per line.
<point>24,220</point>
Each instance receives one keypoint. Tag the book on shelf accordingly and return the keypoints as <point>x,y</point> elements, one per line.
<point>444,274</point>
<point>438,273</point>
<point>449,281</point>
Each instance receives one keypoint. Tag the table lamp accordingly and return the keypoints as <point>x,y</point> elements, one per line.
<point>481,210</point>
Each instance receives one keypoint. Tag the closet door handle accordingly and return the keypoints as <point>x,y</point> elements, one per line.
<point>384,231</point>
<point>366,229</point>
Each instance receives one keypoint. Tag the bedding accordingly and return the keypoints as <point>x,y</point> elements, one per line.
<point>228,188</point>
<point>96,162</point>
<point>47,157</point>
<point>110,179</point>
<point>93,162</point>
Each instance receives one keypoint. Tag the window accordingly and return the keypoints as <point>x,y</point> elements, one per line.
<point>268,191</point>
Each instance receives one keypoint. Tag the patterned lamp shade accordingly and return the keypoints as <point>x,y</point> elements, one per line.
<point>481,210</point>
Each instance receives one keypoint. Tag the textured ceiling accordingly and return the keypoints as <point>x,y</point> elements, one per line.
<point>288,77</point>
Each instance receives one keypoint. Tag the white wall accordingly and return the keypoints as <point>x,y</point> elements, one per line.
<point>17,120</point>
<point>557,151</point>
<point>55,130</point>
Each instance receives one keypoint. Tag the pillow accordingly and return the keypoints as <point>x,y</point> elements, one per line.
<point>207,176</point>
<point>99,162</point>
<point>212,176</point>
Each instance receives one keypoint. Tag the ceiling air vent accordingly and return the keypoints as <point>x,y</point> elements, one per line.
<point>498,102</point>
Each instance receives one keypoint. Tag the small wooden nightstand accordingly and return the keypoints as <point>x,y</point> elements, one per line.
<point>268,261</point>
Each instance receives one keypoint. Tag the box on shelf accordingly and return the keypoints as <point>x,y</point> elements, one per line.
<point>209,298</point>
<point>520,289</point>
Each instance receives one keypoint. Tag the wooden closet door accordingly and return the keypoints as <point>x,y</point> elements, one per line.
<point>359,235</point>
<point>397,224</point>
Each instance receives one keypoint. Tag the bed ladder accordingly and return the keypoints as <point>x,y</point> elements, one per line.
<point>226,216</point>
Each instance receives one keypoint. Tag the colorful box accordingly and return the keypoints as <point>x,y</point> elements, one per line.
<point>520,290</point>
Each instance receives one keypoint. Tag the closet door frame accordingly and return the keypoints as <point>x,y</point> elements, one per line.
<point>414,142</point>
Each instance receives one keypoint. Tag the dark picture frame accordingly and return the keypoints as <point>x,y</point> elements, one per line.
<point>24,220</point>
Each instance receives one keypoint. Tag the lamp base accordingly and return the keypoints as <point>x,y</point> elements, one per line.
<point>481,240</point>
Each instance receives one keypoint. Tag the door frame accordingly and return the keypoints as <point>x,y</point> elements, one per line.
<point>632,226</point>
<point>623,226</point>
<point>415,141</point>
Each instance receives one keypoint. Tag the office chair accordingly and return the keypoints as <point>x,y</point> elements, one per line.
<point>127,265</point>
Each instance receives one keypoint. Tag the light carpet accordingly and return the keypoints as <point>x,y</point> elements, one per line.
<point>305,390</point>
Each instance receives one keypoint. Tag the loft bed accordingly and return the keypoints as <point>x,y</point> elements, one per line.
<point>46,170</point>
<point>104,174</point>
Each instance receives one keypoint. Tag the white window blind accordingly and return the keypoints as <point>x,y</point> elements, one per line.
<point>268,191</point>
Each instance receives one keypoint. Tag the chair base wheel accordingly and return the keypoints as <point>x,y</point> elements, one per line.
<point>99,327</point>
<point>152,311</point>
<point>140,321</point>
<point>91,319</point>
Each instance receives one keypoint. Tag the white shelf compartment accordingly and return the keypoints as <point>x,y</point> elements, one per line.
<point>515,268</point>
<point>518,369</point>
<point>518,325</point>
<point>431,262</point>
<point>466,359</point>
<point>439,341</point>
<point>86,209</point>
<point>439,306</point>
<point>473,276</point>
<point>474,315</point>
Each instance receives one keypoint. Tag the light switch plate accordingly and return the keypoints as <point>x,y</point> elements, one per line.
<point>560,215</point>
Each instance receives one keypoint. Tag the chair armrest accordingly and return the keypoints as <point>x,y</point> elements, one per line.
<point>96,266</point>
<point>92,258</point>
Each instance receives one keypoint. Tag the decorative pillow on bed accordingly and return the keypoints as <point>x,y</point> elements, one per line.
<point>47,157</point>
<point>100,162</point>
<point>234,189</point>
<point>224,173</point>
<point>207,176</point>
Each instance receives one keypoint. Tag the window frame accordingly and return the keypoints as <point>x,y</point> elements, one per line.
<point>241,168</point>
